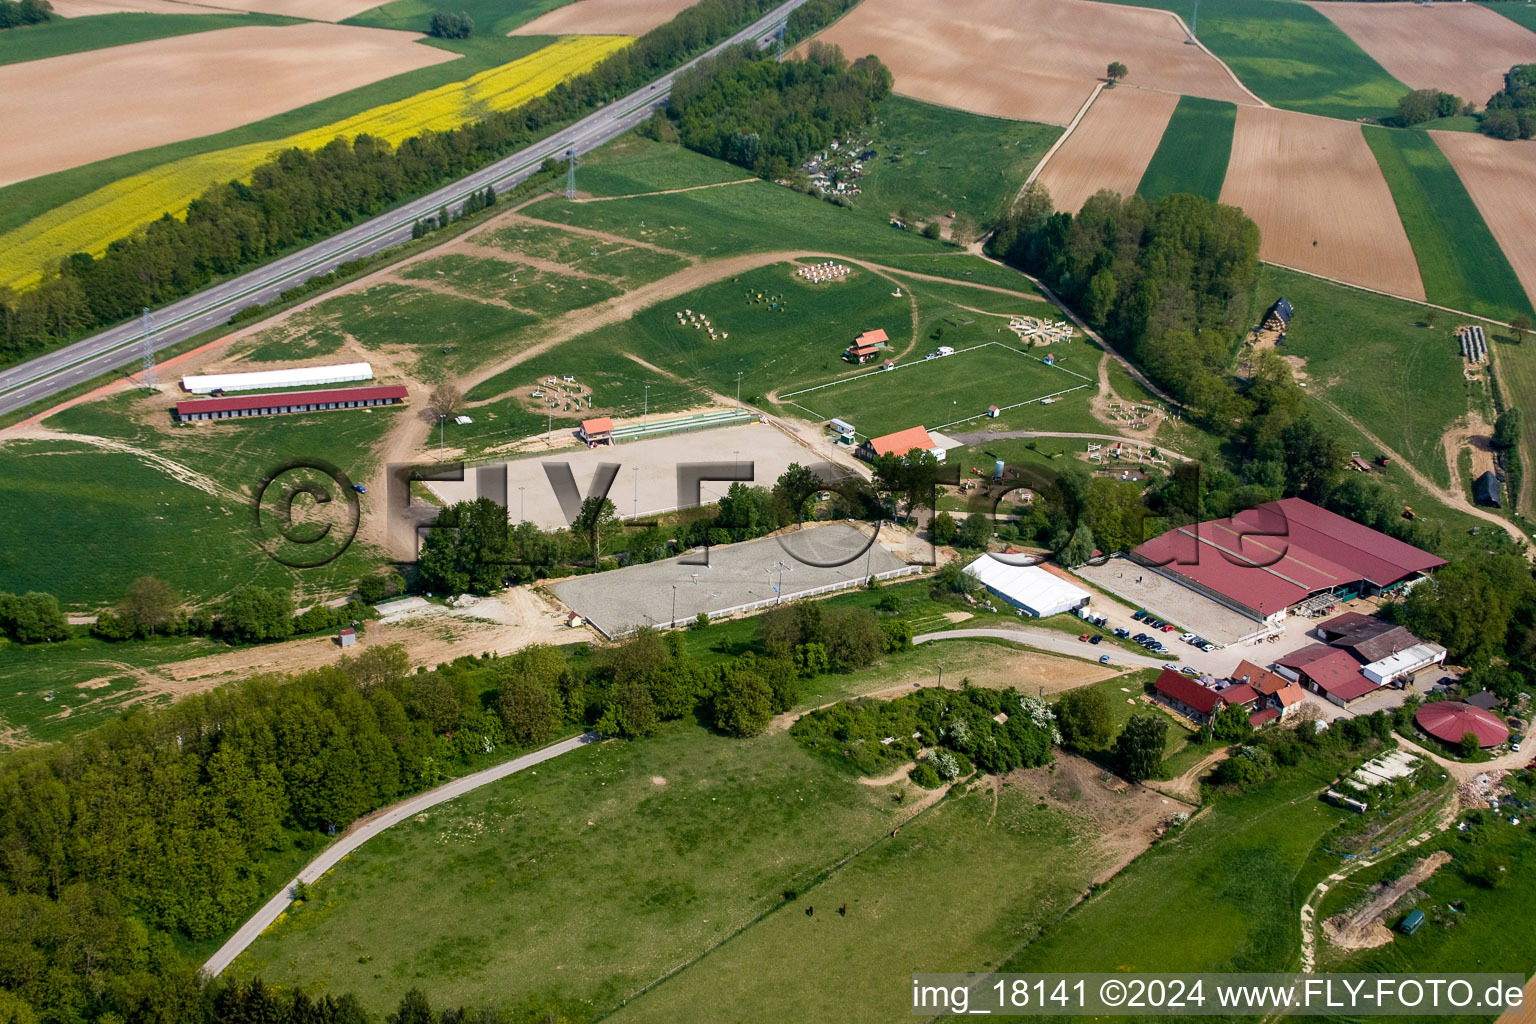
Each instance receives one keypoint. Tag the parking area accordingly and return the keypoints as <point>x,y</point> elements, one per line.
<point>1142,588</point>
<point>801,563</point>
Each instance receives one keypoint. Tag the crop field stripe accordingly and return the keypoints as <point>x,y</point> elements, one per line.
<point>1459,260</point>
<point>1194,152</point>
<point>1520,14</point>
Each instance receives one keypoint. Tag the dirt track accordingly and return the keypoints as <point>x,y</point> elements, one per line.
<point>127,98</point>
<point>1034,60</point>
<point>1110,148</point>
<point>1318,196</point>
<point>1459,48</point>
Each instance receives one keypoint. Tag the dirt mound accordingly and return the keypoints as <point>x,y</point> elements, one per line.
<point>1361,927</point>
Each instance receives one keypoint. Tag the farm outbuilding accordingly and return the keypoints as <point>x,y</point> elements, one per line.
<point>598,430</point>
<point>199,409</point>
<point>1028,587</point>
<point>1450,720</point>
<point>1278,318</point>
<point>866,346</point>
<point>261,380</point>
<point>1486,490</point>
<point>900,443</point>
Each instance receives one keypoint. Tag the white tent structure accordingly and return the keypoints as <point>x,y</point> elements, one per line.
<point>1028,587</point>
<point>1405,662</point>
<point>300,377</point>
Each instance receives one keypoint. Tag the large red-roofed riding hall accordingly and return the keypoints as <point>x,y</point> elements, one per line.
<point>237,406</point>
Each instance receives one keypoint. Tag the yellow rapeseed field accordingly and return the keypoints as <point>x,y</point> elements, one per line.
<point>89,223</point>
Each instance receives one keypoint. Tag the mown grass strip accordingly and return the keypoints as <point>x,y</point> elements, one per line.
<point>1459,260</point>
<point>1192,156</point>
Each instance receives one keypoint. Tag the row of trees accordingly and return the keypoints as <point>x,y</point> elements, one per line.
<point>767,115</point>
<point>301,196</point>
<point>15,13</point>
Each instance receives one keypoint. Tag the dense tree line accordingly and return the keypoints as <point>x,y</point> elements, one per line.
<point>1422,105</point>
<point>1511,112</point>
<point>14,13</point>
<point>301,196</point>
<point>768,115</point>
<point>449,25</point>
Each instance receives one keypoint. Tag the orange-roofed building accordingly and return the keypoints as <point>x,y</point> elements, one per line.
<point>597,431</point>
<point>866,346</point>
<point>900,443</point>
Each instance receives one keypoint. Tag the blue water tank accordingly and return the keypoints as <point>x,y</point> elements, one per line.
<point>997,470</point>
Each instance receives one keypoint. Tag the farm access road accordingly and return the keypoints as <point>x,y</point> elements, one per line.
<point>47,375</point>
<point>1054,641</point>
<point>366,828</point>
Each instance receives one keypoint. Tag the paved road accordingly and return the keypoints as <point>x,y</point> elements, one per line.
<point>366,828</point>
<point>1055,641</point>
<point>47,375</point>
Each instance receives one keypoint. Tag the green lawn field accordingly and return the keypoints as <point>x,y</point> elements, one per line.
<point>629,265</point>
<point>630,165</point>
<point>76,35</point>
<point>1415,388</point>
<point>579,883</point>
<point>931,160</point>
<point>1192,156</point>
<point>1291,56</point>
<point>938,392</point>
<point>492,18</point>
<point>962,267</point>
<point>1461,264</point>
<point>545,294</point>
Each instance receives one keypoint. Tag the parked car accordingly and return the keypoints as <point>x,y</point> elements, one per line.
<point>1169,627</point>
<point>1187,670</point>
<point>1138,615</point>
<point>1103,659</point>
<point>1122,632</point>
<point>1186,637</point>
<point>1083,637</point>
<point>1095,638</point>
<point>1207,646</point>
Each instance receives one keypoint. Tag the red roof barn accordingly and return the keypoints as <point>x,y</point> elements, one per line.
<point>1450,720</point>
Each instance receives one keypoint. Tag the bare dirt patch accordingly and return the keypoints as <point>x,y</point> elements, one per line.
<point>127,98</point>
<point>1362,927</point>
<point>1110,148</point>
<point>1476,435</point>
<point>1459,48</point>
<point>1501,176</point>
<point>1035,60</point>
<point>603,17</point>
<point>1314,188</point>
<point>1127,818</point>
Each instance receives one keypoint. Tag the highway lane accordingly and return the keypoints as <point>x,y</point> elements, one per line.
<point>47,375</point>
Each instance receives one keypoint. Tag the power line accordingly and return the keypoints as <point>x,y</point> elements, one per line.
<point>570,174</point>
<point>148,378</point>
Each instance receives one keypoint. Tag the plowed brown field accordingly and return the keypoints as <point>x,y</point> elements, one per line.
<point>86,8</point>
<point>1315,190</point>
<point>1110,147</point>
<point>1501,176</point>
<point>603,18</point>
<point>127,98</point>
<point>1034,60</point>
<point>1460,48</point>
<point>311,10</point>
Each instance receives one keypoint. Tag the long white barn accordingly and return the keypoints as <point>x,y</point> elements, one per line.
<point>299,377</point>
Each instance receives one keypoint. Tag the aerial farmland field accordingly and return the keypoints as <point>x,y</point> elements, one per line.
<point>1318,196</point>
<point>1034,61</point>
<point>1110,147</point>
<point>1501,178</point>
<point>187,86</point>
<point>1463,49</point>
<point>1194,152</point>
<point>604,17</point>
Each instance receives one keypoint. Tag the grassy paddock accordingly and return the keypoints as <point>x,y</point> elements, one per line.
<point>932,159</point>
<point>631,165</point>
<point>1291,55</point>
<point>1192,156</point>
<point>1373,356</point>
<point>545,294</point>
<point>1461,264</point>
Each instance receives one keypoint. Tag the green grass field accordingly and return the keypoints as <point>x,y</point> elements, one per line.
<point>1371,355</point>
<point>629,265</point>
<point>1192,157</point>
<point>962,267</point>
<point>596,874</point>
<point>1291,56</point>
<point>630,165</point>
<point>933,159</point>
<point>1461,264</point>
<point>1233,879</point>
<point>752,217</point>
<point>280,345</point>
<point>964,884</point>
<point>76,35</point>
<point>938,392</point>
<point>492,18</point>
<point>543,293</point>
<point>26,199</point>
<point>90,681</point>
<point>1518,12</point>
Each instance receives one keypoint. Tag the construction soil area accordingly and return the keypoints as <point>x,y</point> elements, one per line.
<point>1459,48</point>
<point>1315,190</point>
<point>127,98</point>
<point>1501,178</point>
<point>603,17</point>
<point>1110,147</point>
<point>1122,819</point>
<point>1362,927</point>
<point>1032,60</point>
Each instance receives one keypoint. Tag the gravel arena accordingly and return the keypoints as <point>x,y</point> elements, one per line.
<point>617,601</point>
